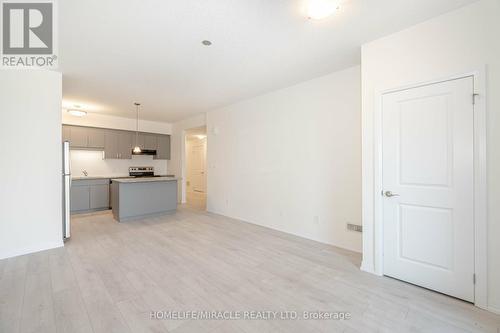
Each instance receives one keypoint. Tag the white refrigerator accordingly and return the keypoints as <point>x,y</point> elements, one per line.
<point>66,174</point>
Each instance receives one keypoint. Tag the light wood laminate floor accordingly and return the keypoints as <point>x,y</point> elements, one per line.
<point>110,276</point>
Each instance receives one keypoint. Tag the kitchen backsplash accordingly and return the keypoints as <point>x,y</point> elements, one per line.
<point>95,165</point>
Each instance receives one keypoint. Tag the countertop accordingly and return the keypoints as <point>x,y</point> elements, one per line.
<point>99,177</point>
<point>108,177</point>
<point>144,179</point>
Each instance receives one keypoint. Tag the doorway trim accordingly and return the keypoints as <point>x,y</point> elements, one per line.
<point>480,181</point>
<point>183,166</point>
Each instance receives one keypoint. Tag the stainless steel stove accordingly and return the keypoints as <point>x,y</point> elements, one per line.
<point>142,172</point>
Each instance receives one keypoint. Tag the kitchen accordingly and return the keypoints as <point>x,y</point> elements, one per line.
<point>114,168</point>
<point>336,162</point>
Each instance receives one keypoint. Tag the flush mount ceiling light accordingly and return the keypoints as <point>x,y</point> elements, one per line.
<point>206,42</point>
<point>137,149</point>
<point>77,112</point>
<point>320,9</point>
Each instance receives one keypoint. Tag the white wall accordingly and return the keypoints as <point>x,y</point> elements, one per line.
<point>457,42</point>
<point>95,165</point>
<point>105,121</point>
<point>291,159</point>
<point>30,141</point>
<point>177,164</point>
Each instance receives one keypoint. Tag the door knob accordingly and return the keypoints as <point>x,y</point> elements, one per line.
<point>390,194</point>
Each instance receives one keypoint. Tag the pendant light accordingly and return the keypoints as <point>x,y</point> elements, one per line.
<point>137,149</point>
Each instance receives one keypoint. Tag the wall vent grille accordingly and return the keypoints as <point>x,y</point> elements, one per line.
<point>354,227</point>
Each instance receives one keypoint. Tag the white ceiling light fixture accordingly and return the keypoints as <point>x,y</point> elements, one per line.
<point>137,149</point>
<point>77,112</point>
<point>320,9</point>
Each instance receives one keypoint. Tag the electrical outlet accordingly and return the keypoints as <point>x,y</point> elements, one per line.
<point>354,227</point>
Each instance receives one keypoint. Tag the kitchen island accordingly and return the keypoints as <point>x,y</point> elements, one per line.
<point>136,198</point>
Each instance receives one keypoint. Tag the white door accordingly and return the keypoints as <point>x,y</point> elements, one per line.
<point>428,167</point>
<point>196,171</point>
<point>197,166</point>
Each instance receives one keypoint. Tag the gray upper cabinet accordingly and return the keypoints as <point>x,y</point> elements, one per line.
<point>139,140</point>
<point>163,147</point>
<point>117,144</point>
<point>125,145</point>
<point>111,144</point>
<point>66,133</point>
<point>84,137</point>
<point>96,138</point>
<point>150,141</point>
<point>79,136</point>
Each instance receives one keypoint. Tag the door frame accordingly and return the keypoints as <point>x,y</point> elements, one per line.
<point>204,140</point>
<point>480,181</point>
<point>184,135</point>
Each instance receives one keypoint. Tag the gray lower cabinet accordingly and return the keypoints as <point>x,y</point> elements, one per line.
<point>136,199</point>
<point>99,196</point>
<point>89,195</point>
<point>80,198</point>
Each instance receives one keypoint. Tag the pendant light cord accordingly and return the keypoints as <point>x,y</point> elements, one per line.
<point>137,124</point>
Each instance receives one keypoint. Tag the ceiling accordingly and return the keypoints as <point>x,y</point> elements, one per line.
<point>196,131</point>
<point>115,52</point>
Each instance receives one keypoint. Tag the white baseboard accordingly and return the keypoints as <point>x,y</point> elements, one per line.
<point>493,309</point>
<point>209,210</point>
<point>32,249</point>
<point>366,268</point>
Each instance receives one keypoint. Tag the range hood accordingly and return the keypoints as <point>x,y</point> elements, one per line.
<point>145,152</point>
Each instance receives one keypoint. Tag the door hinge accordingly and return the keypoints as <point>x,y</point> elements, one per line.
<point>474,98</point>
<point>474,278</point>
